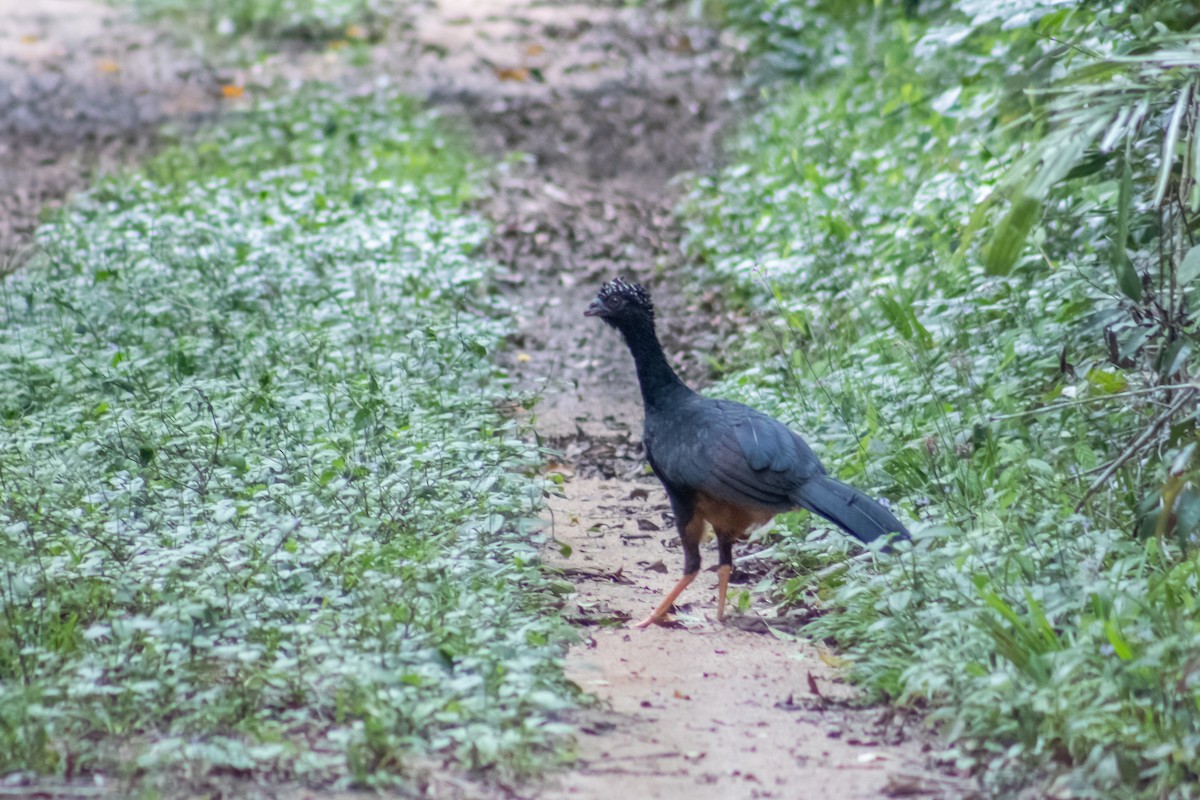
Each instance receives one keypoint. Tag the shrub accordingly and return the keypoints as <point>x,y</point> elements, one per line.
<point>974,229</point>
<point>260,512</point>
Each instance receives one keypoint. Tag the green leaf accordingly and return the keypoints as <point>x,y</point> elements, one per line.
<point>1126,275</point>
<point>1048,634</point>
<point>1175,357</point>
<point>1107,382</point>
<point>904,321</point>
<point>1183,459</point>
<point>900,600</point>
<point>1128,280</point>
<point>1039,466</point>
<point>896,316</point>
<point>1170,143</point>
<point>1003,609</point>
<point>1119,644</point>
<point>743,602</point>
<point>1094,162</point>
<point>1187,512</point>
<point>1190,268</point>
<point>1008,241</point>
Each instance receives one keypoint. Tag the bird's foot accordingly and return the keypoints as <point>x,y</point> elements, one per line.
<point>659,619</point>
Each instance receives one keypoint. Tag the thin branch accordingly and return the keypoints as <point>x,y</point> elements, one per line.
<point>1086,400</point>
<point>1135,446</point>
<point>842,566</point>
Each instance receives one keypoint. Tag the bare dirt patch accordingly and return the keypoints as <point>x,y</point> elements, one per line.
<point>704,709</point>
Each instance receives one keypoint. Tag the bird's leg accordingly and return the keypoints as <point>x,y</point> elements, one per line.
<point>691,566</point>
<point>725,559</point>
<point>660,614</point>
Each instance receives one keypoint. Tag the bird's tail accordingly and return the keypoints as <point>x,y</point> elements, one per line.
<point>848,508</point>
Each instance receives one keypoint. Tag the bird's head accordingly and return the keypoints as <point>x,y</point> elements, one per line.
<point>619,301</point>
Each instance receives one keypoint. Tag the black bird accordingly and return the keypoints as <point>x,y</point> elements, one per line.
<point>722,462</point>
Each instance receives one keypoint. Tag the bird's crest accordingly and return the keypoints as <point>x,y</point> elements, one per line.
<point>631,292</point>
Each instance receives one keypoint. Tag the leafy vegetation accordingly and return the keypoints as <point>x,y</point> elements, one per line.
<point>975,226</point>
<point>259,512</point>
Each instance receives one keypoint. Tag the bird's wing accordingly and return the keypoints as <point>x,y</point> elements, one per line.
<point>731,452</point>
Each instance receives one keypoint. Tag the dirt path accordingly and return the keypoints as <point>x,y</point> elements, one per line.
<point>610,104</point>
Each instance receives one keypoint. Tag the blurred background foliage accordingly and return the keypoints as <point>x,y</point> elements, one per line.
<point>974,224</point>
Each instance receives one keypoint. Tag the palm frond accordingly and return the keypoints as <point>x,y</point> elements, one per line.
<point>1117,102</point>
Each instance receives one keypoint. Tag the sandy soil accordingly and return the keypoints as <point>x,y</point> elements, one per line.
<point>609,104</point>
<point>704,709</point>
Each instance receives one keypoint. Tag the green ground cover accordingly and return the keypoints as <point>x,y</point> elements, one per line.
<point>260,513</point>
<point>973,227</point>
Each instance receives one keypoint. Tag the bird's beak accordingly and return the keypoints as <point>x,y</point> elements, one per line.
<point>596,309</point>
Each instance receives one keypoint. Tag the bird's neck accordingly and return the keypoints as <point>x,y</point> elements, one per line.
<point>657,379</point>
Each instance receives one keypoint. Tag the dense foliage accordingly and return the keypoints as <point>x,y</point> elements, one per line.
<point>974,223</point>
<point>259,511</point>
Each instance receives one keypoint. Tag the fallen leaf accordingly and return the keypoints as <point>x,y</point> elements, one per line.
<point>356,32</point>
<point>232,91</point>
<point>619,575</point>
<point>647,525</point>
<point>534,49</point>
<point>682,44</point>
<point>558,195</point>
<point>108,65</point>
<point>29,38</point>
<point>812,685</point>
<point>658,566</point>
<point>907,786</point>
<point>518,74</point>
<point>829,658</point>
<point>524,358</point>
<point>789,704</point>
<point>639,494</point>
<point>681,696</point>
